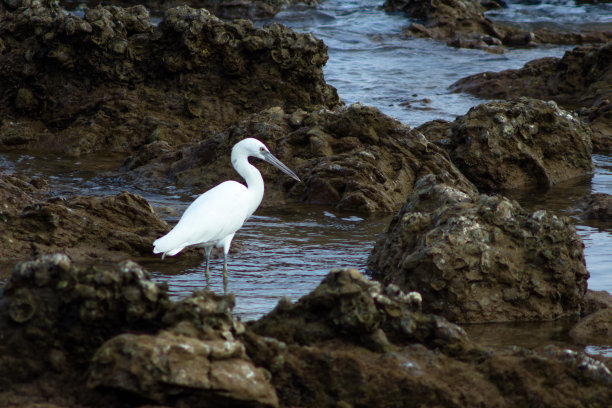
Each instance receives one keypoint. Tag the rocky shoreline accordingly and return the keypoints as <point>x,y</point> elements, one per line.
<point>173,98</point>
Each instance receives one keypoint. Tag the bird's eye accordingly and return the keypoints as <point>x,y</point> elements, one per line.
<point>261,150</point>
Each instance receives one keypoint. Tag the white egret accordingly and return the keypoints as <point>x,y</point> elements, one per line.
<point>215,216</point>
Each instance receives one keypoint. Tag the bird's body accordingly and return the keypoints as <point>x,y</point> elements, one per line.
<point>215,216</point>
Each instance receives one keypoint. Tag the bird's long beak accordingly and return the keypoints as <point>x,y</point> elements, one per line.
<point>269,157</point>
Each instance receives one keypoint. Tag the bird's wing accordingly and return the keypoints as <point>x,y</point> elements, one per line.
<point>211,217</point>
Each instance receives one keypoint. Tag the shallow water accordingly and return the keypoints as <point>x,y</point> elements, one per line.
<point>287,251</point>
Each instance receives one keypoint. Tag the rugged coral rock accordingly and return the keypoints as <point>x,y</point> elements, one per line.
<point>580,80</point>
<point>199,361</point>
<point>109,228</point>
<point>463,24</point>
<point>519,143</point>
<point>111,80</point>
<point>55,315</point>
<point>225,9</point>
<point>86,337</point>
<point>352,342</point>
<point>352,158</point>
<point>479,258</point>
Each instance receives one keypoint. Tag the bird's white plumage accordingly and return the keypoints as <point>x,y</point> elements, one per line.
<point>215,216</point>
<point>208,220</point>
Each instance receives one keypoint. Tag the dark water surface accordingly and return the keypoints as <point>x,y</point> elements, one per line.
<point>287,251</point>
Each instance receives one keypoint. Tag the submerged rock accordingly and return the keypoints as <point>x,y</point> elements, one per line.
<point>111,80</point>
<point>462,24</point>
<point>353,158</point>
<point>84,227</point>
<point>597,206</point>
<point>479,258</point>
<point>580,80</point>
<point>518,143</point>
<point>595,328</point>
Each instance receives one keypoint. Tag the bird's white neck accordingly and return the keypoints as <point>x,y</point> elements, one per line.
<point>253,178</point>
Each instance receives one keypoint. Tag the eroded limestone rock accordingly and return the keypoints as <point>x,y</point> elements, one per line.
<point>353,158</point>
<point>479,258</point>
<point>111,80</point>
<point>580,80</point>
<point>83,227</point>
<point>518,143</point>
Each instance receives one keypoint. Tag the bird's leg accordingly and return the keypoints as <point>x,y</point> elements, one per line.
<point>208,251</point>
<point>225,272</point>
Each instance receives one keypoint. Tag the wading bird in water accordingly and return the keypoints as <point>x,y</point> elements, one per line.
<point>215,216</point>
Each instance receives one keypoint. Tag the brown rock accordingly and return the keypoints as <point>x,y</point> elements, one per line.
<point>177,369</point>
<point>175,82</point>
<point>597,206</point>
<point>519,143</point>
<point>83,227</point>
<point>353,158</point>
<point>595,328</point>
<point>564,80</point>
<point>462,24</point>
<point>478,258</point>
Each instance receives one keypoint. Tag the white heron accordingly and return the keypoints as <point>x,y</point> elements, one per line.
<point>215,216</point>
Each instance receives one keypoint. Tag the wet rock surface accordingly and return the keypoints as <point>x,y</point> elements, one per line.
<point>225,9</point>
<point>518,143</point>
<point>111,80</point>
<point>83,336</point>
<point>85,227</point>
<point>580,80</point>
<point>463,25</point>
<point>353,342</point>
<point>353,158</point>
<point>479,258</point>
<point>116,331</point>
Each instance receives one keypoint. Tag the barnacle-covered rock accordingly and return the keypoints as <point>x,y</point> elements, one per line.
<point>353,158</point>
<point>357,342</point>
<point>462,24</point>
<point>174,368</point>
<point>83,227</point>
<point>564,80</point>
<point>479,258</point>
<point>348,306</point>
<point>113,80</point>
<point>519,143</point>
<point>49,305</point>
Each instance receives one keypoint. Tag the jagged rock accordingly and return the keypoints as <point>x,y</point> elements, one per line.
<point>479,258</point>
<point>518,143</point>
<point>353,158</point>
<point>352,342</point>
<point>348,306</point>
<point>56,316</point>
<point>462,24</point>
<point>111,80</point>
<point>166,366</point>
<point>581,79</point>
<point>55,313</point>
<point>225,9</point>
<point>83,227</point>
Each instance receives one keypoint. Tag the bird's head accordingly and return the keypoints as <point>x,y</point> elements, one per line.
<point>255,148</point>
